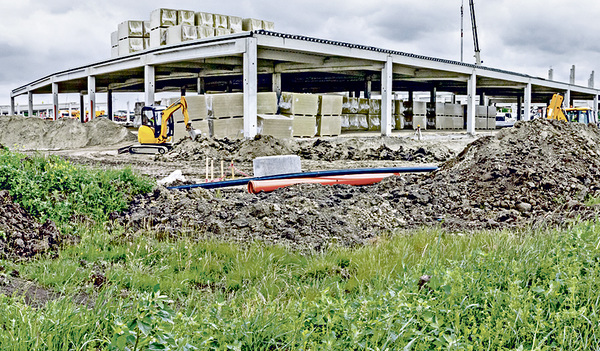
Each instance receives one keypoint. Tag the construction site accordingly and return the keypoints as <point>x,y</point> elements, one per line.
<point>313,145</point>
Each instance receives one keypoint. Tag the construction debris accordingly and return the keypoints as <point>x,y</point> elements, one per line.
<point>538,173</point>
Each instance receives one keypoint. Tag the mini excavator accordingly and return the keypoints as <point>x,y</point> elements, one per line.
<point>155,135</point>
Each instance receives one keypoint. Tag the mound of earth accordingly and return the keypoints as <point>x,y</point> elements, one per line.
<point>21,236</point>
<point>321,149</point>
<point>537,173</point>
<point>22,133</point>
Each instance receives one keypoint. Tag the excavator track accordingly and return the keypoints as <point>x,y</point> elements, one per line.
<point>145,149</point>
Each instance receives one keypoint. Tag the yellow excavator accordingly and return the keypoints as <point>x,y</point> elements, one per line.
<point>571,114</point>
<point>155,135</point>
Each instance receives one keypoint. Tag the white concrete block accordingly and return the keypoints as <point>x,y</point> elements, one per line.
<point>163,18</point>
<point>130,45</point>
<point>275,165</point>
<point>205,19</point>
<point>186,17</point>
<point>180,33</point>
<point>131,29</point>
<point>251,24</point>
<point>158,37</point>
<point>220,21</point>
<point>267,25</point>
<point>234,23</point>
<point>205,32</point>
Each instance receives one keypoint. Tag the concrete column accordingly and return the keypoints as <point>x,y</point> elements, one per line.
<point>595,109</point>
<point>92,96</point>
<point>432,95</point>
<point>471,94</point>
<point>29,104</point>
<point>411,97</point>
<point>183,90</point>
<point>55,100</point>
<point>149,85</point>
<point>527,102</point>
<point>250,88</point>
<point>277,84</point>
<point>81,108</point>
<point>200,86</point>
<point>368,88</point>
<point>386,97</point>
<point>109,104</point>
<point>70,110</point>
<point>519,105</point>
<point>12,105</point>
<point>567,99</point>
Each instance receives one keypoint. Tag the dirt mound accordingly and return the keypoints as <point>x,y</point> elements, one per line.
<point>21,236</point>
<point>238,150</point>
<point>36,134</point>
<point>322,149</point>
<point>536,173</point>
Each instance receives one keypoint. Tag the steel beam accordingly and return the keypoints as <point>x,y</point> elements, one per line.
<point>250,88</point>
<point>55,100</point>
<point>109,104</point>
<point>527,102</point>
<point>386,97</point>
<point>149,84</point>
<point>471,94</point>
<point>92,96</point>
<point>81,108</point>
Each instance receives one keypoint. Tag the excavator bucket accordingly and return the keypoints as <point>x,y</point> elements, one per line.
<point>194,133</point>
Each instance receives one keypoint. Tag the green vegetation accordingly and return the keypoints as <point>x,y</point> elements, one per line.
<point>49,187</point>
<point>523,290</point>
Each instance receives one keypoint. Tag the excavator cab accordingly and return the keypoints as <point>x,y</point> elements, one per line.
<point>152,118</point>
<point>580,115</point>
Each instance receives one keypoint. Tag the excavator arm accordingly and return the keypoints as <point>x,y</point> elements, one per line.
<point>168,114</point>
<point>555,110</point>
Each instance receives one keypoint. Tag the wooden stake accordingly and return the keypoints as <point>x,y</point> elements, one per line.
<point>207,169</point>
<point>212,169</point>
<point>222,169</point>
<point>232,171</point>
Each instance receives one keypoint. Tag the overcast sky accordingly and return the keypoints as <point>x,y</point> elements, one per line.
<point>41,37</point>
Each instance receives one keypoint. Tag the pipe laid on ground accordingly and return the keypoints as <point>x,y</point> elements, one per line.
<point>256,186</point>
<point>330,173</point>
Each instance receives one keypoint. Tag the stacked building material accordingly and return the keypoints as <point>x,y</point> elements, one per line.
<point>399,110</point>
<point>303,109</point>
<point>354,118</point>
<point>329,119</point>
<point>114,44</point>
<point>158,30</point>
<point>268,121</point>
<point>130,36</point>
<point>455,113</point>
<point>374,114</point>
<point>491,117</point>
<point>481,117</point>
<point>225,113</point>
<point>437,117</point>
<point>419,114</point>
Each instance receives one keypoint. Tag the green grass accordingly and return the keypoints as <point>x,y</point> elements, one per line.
<point>529,290</point>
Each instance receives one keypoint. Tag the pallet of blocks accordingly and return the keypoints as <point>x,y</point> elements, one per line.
<point>197,113</point>
<point>267,103</point>
<point>398,114</point>
<point>130,35</point>
<point>329,120</point>
<point>225,105</point>
<point>231,128</point>
<point>186,17</point>
<point>442,118</point>
<point>303,109</point>
<point>278,126</point>
<point>354,123</point>
<point>205,19</point>
<point>180,33</point>
<point>419,115</point>
<point>374,113</point>
<point>454,114</point>
<point>481,117</point>
<point>492,117</point>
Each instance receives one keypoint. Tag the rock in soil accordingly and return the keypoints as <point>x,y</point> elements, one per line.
<point>21,236</point>
<point>535,174</point>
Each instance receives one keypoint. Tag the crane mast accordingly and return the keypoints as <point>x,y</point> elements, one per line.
<point>475,37</point>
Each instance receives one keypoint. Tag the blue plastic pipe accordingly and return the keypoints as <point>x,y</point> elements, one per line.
<point>337,172</point>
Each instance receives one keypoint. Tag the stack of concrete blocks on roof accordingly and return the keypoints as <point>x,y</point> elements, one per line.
<point>303,109</point>
<point>355,113</point>
<point>329,115</point>
<point>131,36</point>
<point>170,26</point>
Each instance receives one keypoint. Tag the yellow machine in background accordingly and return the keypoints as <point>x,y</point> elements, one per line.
<point>571,114</point>
<point>157,129</point>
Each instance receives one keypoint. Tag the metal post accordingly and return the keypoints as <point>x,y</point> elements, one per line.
<point>92,96</point>
<point>250,88</point>
<point>471,93</point>
<point>386,97</point>
<point>527,101</point>
<point>55,100</point>
<point>29,103</point>
<point>149,85</point>
<point>109,103</point>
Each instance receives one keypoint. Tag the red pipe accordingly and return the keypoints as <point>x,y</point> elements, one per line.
<point>256,186</point>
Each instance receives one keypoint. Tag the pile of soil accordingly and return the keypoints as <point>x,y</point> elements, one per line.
<point>537,173</point>
<point>22,133</point>
<point>321,149</point>
<point>21,236</point>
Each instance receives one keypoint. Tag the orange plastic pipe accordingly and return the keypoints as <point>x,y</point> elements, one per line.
<point>256,186</point>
